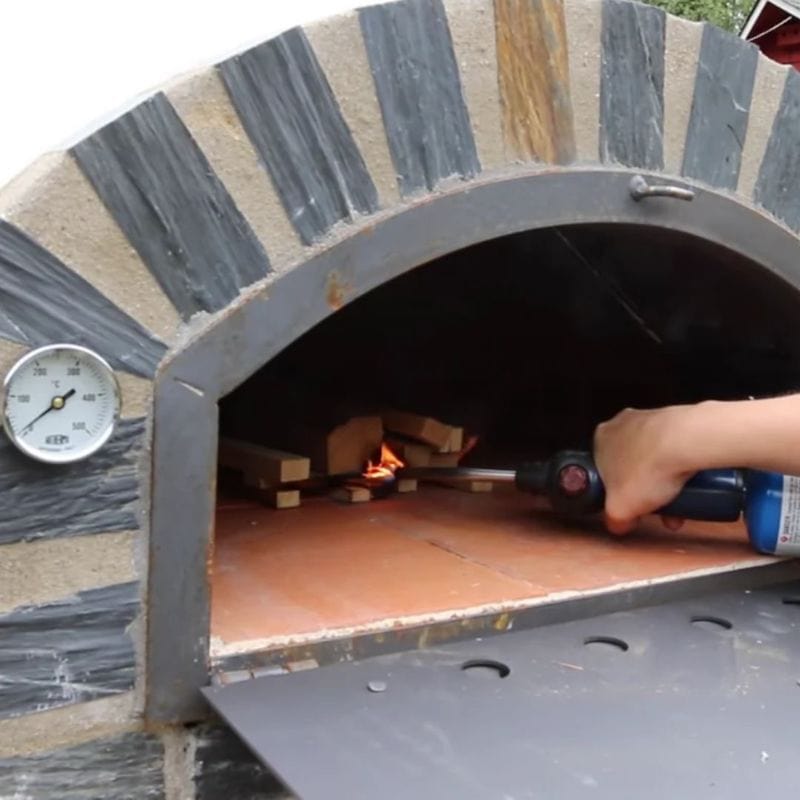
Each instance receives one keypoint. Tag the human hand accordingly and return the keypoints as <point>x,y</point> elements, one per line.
<point>641,456</point>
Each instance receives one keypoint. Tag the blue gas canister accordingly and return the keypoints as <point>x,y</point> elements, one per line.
<point>772,512</point>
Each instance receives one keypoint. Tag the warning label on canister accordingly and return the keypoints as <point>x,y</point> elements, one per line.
<point>789,534</point>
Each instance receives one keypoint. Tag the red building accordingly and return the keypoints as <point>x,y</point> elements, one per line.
<point>774,25</point>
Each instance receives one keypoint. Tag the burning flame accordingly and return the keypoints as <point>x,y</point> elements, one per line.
<point>386,467</point>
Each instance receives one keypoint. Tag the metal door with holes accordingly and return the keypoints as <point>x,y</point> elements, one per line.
<point>696,698</point>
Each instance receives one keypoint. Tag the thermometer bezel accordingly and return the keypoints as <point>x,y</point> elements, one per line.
<point>70,456</point>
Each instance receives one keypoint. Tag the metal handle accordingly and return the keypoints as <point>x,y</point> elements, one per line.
<point>640,188</point>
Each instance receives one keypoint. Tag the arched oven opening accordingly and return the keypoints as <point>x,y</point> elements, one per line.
<point>518,347</point>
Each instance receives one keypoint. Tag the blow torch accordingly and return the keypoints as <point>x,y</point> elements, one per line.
<point>570,481</point>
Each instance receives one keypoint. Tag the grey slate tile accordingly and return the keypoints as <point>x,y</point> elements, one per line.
<point>38,306</point>
<point>126,767</point>
<point>290,114</point>
<point>726,71</point>
<point>779,176</point>
<point>49,501</point>
<point>70,651</point>
<point>163,193</point>
<point>416,76</point>
<point>632,85</point>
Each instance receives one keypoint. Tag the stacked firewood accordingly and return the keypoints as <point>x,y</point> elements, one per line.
<point>353,461</point>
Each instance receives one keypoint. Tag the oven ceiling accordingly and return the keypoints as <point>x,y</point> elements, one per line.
<point>703,702</point>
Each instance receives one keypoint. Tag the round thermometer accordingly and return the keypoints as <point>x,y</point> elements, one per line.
<point>60,403</point>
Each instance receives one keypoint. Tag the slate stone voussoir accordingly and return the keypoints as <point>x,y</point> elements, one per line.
<point>70,651</point>
<point>534,90</point>
<point>49,501</point>
<point>632,85</point>
<point>169,202</point>
<point>225,768</point>
<point>779,177</point>
<point>291,115</point>
<point>726,71</point>
<point>42,301</point>
<point>416,76</point>
<point>126,767</point>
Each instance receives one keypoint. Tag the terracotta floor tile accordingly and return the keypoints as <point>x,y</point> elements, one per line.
<point>506,533</point>
<point>326,565</point>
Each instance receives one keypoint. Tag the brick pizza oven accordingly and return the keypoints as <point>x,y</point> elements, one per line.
<point>516,216</point>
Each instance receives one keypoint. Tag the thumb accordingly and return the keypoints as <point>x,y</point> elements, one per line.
<point>619,526</point>
<point>620,516</point>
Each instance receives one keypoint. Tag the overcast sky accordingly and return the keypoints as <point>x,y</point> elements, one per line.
<point>67,65</point>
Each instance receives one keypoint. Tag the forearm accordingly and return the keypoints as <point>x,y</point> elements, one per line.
<point>757,434</point>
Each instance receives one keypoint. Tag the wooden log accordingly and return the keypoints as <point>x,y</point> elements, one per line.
<point>344,449</point>
<point>280,498</point>
<point>444,459</point>
<point>350,493</point>
<point>349,446</point>
<point>412,454</point>
<point>456,441</point>
<point>262,467</point>
<point>415,426</point>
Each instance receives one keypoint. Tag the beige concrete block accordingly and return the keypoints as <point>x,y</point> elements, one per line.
<point>66,726</point>
<point>137,395</point>
<point>339,47</point>
<point>767,94</point>
<point>32,573</point>
<point>472,27</point>
<point>10,353</point>
<point>203,104</point>
<point>584,24</point>
<point>54,203</point>
<point>682,49</point>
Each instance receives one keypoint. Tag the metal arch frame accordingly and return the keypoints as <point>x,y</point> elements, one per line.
<point>268,318</point>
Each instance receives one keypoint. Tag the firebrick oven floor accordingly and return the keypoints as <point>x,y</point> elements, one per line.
<point>328,569</point>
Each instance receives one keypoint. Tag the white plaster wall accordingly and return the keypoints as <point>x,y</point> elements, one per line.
<point>66,66</point>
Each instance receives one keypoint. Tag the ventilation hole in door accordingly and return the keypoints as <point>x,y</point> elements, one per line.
<point>711,623</point>
<point>791,601</point>
<point>486,666</point>
<point>606,641</point>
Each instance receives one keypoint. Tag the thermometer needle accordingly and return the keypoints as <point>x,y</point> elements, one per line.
<point>56,403</point>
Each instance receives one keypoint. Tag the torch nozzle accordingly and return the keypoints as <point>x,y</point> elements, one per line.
<point>458,473</point>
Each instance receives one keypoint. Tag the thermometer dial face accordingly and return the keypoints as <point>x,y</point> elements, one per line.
<point>60,403</point>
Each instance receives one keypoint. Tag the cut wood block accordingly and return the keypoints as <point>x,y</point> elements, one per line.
<point>456,441</point>
<point>352,494</point>
<point>263,466</point>
<point>415,426</point>
<point>281,498</point>
<point>338,450</point>
<point>349,446</point>
<point>405,485</point>
<point>444,459</point>
<point>412,454</point>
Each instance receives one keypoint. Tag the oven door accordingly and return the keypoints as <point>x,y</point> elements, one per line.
<point>690,698</point>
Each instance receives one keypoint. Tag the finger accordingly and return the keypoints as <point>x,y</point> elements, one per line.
<point>672,523</point>
<point>619,526</point>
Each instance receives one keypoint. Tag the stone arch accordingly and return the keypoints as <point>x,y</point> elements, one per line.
<point>268,188</point>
